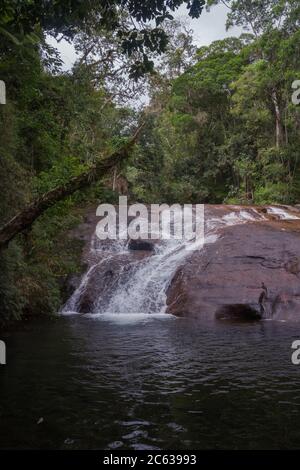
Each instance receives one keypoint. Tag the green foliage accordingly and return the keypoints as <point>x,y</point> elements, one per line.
<point>220,127</point>
<point>228,130</point>
<point>12,301</point>
<point>59,174</point>
<point>53,127</point>
<point>24,21</point>
<point>261,16</point>
<point>35,267</point>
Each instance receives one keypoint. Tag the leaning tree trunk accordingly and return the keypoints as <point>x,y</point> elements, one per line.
<point>27,216</point>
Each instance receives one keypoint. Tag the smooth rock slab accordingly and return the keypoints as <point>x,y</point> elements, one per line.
<point>251,270</point>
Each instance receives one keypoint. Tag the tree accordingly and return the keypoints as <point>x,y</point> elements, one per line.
<point>260,16</point>
<point>27,216</point>
<point>142,34</point>
<point>55,127</point>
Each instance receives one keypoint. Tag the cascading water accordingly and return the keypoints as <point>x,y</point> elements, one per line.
<point>281,213</point>
<point>123,282</point>
<point>144,290</point>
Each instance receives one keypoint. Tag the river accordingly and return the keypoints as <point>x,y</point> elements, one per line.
<point>149,382</point>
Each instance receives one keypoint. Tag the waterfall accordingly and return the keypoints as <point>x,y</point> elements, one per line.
<point>281,213</point>
<point>120,281</point>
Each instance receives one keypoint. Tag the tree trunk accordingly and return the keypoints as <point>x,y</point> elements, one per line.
<point>26,217</point>
<point>278,120</point>
<point>114,179</point>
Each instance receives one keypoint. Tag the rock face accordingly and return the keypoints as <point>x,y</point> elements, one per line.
<point>102,279</point>
<point>251,271</point>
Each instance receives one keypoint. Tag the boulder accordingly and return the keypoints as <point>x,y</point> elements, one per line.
<point>140,245</point>
<point>252,271</point>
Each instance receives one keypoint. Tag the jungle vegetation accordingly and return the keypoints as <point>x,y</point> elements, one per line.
<point>219,123</point>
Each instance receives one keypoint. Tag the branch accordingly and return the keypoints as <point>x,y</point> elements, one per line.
<point>24,219</point>
<point>226,5</point>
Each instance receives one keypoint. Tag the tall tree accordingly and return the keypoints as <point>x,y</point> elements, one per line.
<point>259,16</point>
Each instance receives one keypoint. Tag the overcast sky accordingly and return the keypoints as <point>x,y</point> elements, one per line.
<point>211,25</point>
<point>208,28</point>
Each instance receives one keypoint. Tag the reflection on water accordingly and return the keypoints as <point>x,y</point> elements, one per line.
<point>155,383</point>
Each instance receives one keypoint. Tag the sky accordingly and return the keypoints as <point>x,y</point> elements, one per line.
<point>211,25</point>
<point>208,28</point>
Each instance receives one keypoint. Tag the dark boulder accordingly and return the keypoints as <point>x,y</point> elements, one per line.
<point>240,312</point>
<point>140,245</point>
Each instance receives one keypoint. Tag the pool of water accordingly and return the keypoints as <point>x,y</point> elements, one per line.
<point>149,382</point>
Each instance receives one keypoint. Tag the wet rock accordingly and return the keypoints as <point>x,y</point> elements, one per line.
<point>69,285</point>
<point>263,210</point>
<point>251,271</point>
<point>241,312</point>
<point>86,302</point>
<point>140,245</point>
<point>101,280</point>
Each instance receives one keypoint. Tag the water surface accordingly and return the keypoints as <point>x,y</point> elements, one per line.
<point>142,382</point>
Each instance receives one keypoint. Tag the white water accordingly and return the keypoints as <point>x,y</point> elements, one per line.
<point>281,213</point>
<point>72,303</point>
<point>141,290</point>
